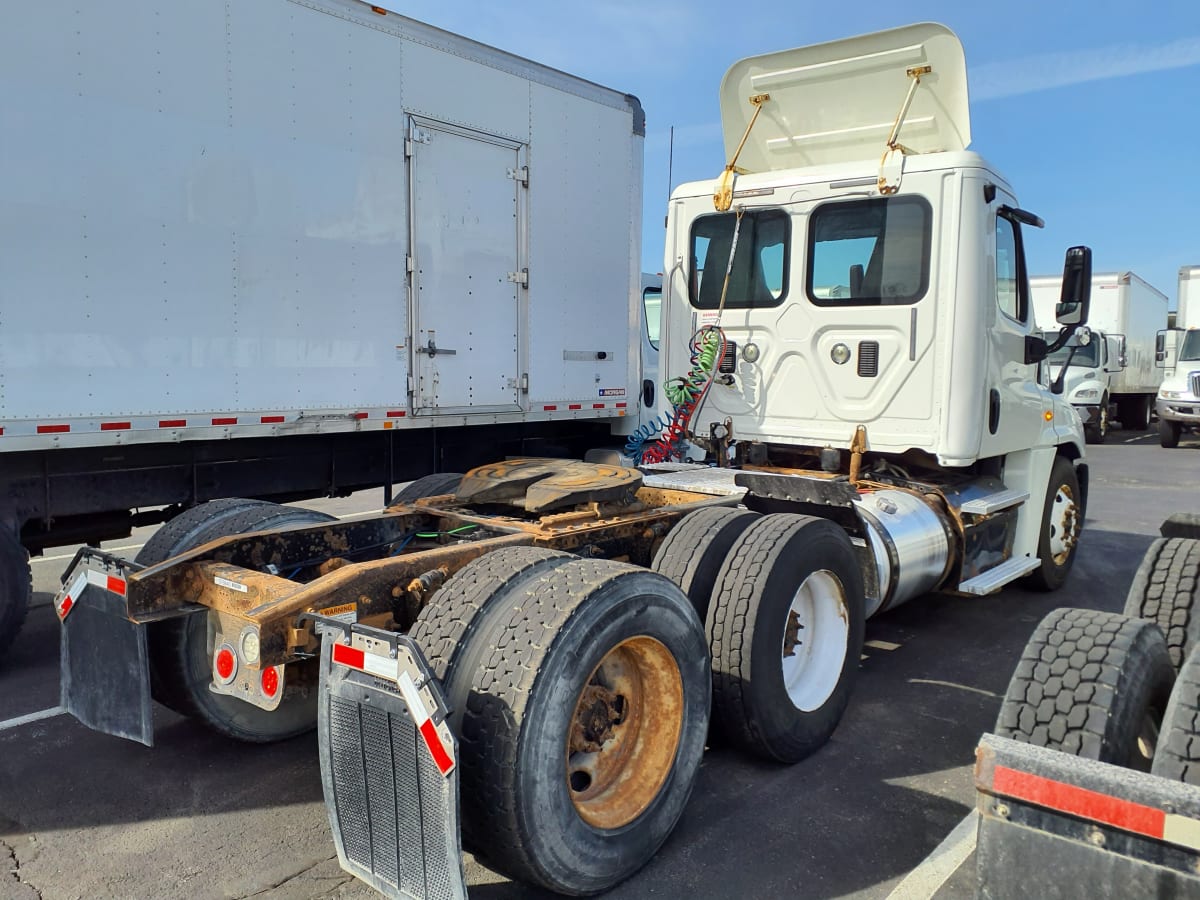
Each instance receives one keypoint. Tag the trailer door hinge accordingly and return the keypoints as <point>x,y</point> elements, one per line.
<point>521,278</point>
<point>408,264</point>
<point>524,382</point>
<point>520,174</point>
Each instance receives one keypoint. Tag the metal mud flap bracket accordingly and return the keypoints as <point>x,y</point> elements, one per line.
<point>388,764</point>
<point>104,667</point>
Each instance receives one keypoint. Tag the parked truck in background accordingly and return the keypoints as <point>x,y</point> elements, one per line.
<point>1178,403</point>
<point>233,265</point>
<point>1114,376</point>
<point>850,342</point>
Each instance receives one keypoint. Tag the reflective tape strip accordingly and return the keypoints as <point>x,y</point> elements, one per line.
<point>366,662</point>
<point>425,725</point>
<point>66,600</point>
<point>109,582</point>
<point>1096,807</point>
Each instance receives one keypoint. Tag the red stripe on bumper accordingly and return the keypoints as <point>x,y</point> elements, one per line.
<point>1077,801</point>
<point>440,757</point>
<point>348,656</point>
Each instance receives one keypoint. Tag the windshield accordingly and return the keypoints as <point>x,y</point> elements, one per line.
<point>1084,356</point>
<point>1190,350</point>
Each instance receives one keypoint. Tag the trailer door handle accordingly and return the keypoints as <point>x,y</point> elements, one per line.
<point>433,349</point>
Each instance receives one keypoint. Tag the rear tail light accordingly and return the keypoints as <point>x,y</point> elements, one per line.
<point>270,682</point>
<point>225,664</point>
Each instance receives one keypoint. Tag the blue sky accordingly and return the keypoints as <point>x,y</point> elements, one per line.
<point>1091,110</point>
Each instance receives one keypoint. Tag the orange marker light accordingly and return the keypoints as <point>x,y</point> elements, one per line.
<point>1049,414</point>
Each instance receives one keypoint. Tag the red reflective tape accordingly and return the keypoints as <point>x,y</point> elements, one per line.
<point>115,426</point>
<point>575,406</point>
<point>440,757</point>
<point>550,408</point>
<point>360,415</point>
<point>1,431</point>
<point>1077,801</point>
<point>348,656</point>
<point>116,585</point>
<point>225,421</point>
<point>271,420</point>
<point>53,429</point>
<point>66,606</point>
<point>597,406</point>
<point>172,423</point>
<point>621,405</point>
<point>396,414</point>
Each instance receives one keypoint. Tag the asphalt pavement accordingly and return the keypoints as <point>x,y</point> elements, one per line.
<point>198,816</point>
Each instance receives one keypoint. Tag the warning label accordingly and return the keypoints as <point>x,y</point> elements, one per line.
<point>612,392</point>
<point>346,612</point>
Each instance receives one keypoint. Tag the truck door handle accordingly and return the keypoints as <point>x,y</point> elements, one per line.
<point>433,349</point>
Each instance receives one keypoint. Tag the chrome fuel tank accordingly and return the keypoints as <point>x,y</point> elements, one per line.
<point>911,544</point>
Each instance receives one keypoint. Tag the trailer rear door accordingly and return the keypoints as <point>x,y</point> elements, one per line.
<point>466,220</point>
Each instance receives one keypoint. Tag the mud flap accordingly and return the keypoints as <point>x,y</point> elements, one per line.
<point>105,670</point>
<point>393,813</point>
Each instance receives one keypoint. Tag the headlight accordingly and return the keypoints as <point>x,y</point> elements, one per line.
<point>1089,394</point>
<point>1170,395</point>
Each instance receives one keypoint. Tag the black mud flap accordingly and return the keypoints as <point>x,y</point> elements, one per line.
<point>105,671</point>
<point>393,811</point>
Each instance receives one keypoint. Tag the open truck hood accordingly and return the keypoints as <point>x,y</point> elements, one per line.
<point>837,102</point>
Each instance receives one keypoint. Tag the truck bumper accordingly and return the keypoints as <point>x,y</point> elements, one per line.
<point>1089,414</point>
<point>1186,412</point>
<point>1056,825</point>
<point>388,765</point>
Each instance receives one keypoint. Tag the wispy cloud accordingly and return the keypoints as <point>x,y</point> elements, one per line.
<point>1051,70</point>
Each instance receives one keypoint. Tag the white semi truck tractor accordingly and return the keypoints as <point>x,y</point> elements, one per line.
<point>524,660</point>
<point>1178,402</point>
<point>1114,376</point>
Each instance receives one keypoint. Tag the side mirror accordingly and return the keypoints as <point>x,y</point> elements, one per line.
<point>1035,349</point>
<point>1076,296</point>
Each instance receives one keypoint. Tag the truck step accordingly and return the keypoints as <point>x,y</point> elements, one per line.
<point>992,503</point>
<point>684,477</point>
<point>994,579</point>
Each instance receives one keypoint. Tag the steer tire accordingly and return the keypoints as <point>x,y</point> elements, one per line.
<point>1166,590</point>
<point>1168,433</point>
<point>596,651</point>
<point>785,569</point>
<point>16,586</point>
<point>694,551</point>
<point>1093,684</point>
<point>448,624</point>
<point>179,648</point>
<point>1178,753</point>
<point>1062,510</point>
<point>433,485</point>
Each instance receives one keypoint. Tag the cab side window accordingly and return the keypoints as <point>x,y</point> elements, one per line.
<point>1011,292</point>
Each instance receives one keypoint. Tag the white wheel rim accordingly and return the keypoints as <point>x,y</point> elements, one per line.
<point>1063,525</point>
<point>816,631</point>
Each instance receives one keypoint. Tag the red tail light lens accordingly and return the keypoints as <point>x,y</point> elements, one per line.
<point>270,682</point>
<point>225,664</point>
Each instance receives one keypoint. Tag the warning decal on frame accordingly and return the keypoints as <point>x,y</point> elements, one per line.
<point>346,612</point>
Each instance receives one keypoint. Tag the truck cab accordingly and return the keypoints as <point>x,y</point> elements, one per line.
<point>867,274</point>
<point>1178,402</point>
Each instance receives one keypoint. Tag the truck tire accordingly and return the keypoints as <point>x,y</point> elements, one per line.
<point>180,661</point>
<point>1178,753</point>
<point>1092,684</point>
<point>1098,433</point>
<point>607,661</point>
<point>785,630</point>
<point>433,485</point>
<point>694,551</point>
<point>1062,521</point>
<point>446,626</point>
<point>1168,433</point>
<point>1166,590</point>
<point>1135,412</point>
<point>16,587</point>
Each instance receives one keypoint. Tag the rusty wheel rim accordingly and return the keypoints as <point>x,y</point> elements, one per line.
<point>624,733</point>
<point>1064,525</point>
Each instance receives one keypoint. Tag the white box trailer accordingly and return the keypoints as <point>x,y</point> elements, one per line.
<point>289,249</point>
<point>1115,376</point>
